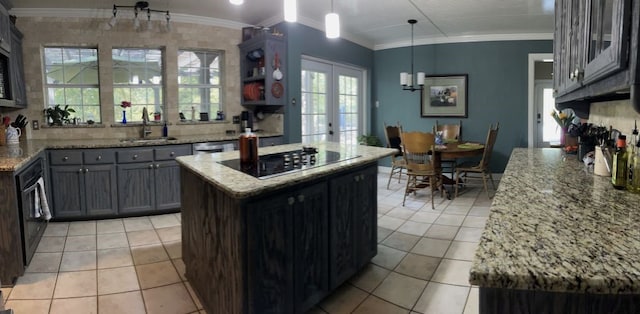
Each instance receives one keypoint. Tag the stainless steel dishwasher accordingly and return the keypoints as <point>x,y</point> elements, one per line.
<point>214,147</point>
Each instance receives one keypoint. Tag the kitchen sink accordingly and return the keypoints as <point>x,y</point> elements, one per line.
<point>147,139</point>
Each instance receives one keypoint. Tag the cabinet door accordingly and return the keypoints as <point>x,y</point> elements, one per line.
<point>342,243</point>
<point>311,252</point>
<point>569,45</point>
<point>270,255</point>
<point>17,69</point>
<point>100,190</point>
<point>67,192</point>
<point>5,26</point>
<point>135,188</point>
<point>367,215</point>
<point>607,41</point>
<point>167,185</point>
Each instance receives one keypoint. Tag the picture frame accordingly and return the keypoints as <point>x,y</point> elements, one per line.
<point>444,96</point>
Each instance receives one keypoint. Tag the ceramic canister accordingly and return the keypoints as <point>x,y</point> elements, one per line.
<point>13,135</point>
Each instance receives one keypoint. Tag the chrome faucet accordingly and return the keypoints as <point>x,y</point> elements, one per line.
<point>146,130</point>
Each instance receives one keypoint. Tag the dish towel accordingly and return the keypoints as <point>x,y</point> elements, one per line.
<point>41,206</point>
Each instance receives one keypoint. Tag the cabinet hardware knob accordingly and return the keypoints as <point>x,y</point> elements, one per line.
<point>99,157</point>
<point>172,154</point>
<point>80,170</point>
<point>135,156</point>
<point>86,170</point>
<point>157,166</point>
<point>362,177</point>
<point>151,166</point>
<point>301,198</point>
<point>291,200</point>
<point>357,178</point>
<point>65,158</point>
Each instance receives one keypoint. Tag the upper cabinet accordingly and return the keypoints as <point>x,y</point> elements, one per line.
<point>595,52</point>
<point>5,26</point>
<point>263,70</point>
<point>17,69</point>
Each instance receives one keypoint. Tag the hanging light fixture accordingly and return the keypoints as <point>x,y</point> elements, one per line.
<point>332,24</point>
<point>290,10</point>
<point>406,79</point>
<point>236,2</point>
<point>137,8</point>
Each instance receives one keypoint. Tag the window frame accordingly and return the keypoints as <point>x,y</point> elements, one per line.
<point>213,111</point>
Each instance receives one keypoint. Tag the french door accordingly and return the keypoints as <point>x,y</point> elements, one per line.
<point>332,102</point>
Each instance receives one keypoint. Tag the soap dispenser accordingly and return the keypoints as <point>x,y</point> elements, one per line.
<point>248,148</point>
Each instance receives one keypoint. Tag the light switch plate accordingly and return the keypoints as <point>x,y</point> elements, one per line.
<point>35,125</point>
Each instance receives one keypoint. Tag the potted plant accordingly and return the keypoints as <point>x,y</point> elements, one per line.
<point>57,115</point>
<point>369,140</point>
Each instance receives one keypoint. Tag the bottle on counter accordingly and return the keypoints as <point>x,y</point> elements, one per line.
<point>619,169</point>
<point>632,157</point>
<point>248,148</point>
<point>165,130</point>
<point>633,183</point>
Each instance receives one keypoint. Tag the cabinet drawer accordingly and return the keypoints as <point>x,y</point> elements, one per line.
<point>172,151</point>
<point>65,157</point>
<point>135,155</point>
<point>99,156</point>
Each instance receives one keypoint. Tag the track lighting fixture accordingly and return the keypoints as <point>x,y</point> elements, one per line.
<point>137,8</point>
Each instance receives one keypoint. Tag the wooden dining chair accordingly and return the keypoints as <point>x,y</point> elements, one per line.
<point>479,170</point>
<point>418,151</point>
<point>394,140</point>
<point>450,133</point>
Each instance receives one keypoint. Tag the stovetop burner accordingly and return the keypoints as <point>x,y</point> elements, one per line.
<point>287,162</point>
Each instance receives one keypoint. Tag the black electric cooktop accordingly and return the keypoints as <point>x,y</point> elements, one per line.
<point>272,165</point>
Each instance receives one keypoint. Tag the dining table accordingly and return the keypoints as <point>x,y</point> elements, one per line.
<point>455,150</point>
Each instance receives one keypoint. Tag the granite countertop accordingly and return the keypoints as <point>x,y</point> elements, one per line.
<point>241,185</point>
<point>554,226</point>
<point>12,157</point>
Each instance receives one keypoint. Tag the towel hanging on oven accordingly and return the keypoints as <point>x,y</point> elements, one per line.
<point>41,206</point>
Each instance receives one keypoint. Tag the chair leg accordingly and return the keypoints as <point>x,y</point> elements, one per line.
<point>457,183</point>
<point>390,175</point>
<point>492,183</point>
<point>406,190</point>
<point>400,174</point>
<point>484,182</point>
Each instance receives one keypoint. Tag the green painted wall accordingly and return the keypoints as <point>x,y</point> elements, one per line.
<point>304,40</point>
<point>497,84</point>
<point>497,89</point>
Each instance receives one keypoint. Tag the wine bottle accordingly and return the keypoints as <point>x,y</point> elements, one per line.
<point>634,185</point>
<point>619,168</point>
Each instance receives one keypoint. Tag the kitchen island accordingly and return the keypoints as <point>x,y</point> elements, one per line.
<point>281,244</point>
<point>558,240</point>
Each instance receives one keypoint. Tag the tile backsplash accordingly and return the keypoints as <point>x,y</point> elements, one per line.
<point>619,114</point>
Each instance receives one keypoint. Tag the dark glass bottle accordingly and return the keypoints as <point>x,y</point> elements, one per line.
<point>248,148</point>
<point>619,168</point>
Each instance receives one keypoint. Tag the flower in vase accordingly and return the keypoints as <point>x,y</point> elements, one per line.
<point>564,120</point>
<point>125,104</point>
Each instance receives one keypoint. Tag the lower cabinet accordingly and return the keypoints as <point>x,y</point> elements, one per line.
<point>115,182</point>
<point>306,241</point>
<point>80,188</point>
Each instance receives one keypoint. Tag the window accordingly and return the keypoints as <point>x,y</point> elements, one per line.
<point>199,82</point>
<point>71,78</point>
<point>137,78</point>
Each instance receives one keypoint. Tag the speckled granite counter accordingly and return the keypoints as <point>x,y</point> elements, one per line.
<point>241,185</point>
<point>13,157</point>
<point>555,227</point>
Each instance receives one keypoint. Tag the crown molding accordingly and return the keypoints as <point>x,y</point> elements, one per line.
<point>466,39</point>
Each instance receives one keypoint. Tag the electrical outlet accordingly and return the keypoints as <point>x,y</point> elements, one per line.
<point>35,125</point>
<point>236,119</point>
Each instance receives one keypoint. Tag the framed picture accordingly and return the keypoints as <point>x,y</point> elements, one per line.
<point>444,96</point>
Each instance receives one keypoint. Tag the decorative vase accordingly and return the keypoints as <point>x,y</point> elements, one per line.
<point>563,136</point>
<point>124,117</point>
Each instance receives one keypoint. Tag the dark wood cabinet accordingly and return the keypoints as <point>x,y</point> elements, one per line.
<point>595,53</point>
<point>262,70</point>
<point>17,69</point>
<point>292,246</point>
<point>83,184</point>
<point>5,26</point>
<point>353,215</point>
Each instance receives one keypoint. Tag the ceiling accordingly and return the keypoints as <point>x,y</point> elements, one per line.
<point>375,24</point>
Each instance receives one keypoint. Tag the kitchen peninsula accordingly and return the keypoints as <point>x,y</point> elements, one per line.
<point>558,240</point>
<point>280,244</point>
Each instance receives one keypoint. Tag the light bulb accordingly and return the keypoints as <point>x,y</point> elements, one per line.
<point>290,10</point>
<point>236,2</point>
<point>332,25</point>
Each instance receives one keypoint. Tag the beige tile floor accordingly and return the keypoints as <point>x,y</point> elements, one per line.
<point>134,265</point>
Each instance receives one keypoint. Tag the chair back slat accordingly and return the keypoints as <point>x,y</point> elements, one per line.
<point>418,148</point>
<point>393,134</point>
<point>449,131</point>
<point>488,146</point>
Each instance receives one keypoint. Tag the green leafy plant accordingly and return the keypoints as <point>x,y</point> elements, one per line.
<point>369,140</point>
<point>57,115</point>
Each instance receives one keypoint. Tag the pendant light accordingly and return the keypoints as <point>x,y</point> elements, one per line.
<point>406,79</point>
<point>236,2</point>
<point>332,24</point>
<point>290,10</point>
